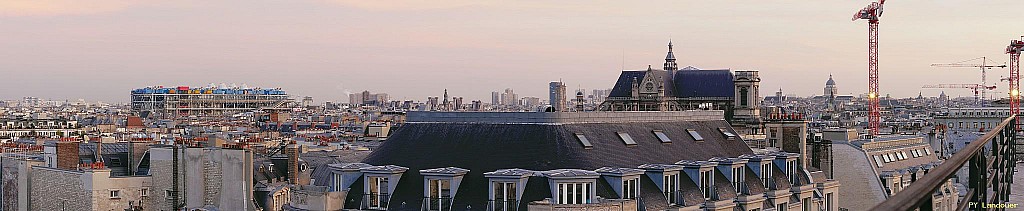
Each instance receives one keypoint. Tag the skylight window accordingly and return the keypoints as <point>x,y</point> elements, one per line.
<point>696,136</point>
<point>726,133</point>
<point>661,136</point>
<point>626,138</point>
<point>583,140</point>
<point>878,161</point>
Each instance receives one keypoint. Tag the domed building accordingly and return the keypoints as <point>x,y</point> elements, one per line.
<point>830,93</point>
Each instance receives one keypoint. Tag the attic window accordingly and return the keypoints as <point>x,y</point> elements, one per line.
<point>661,136</point>
<point>583,140</point>
<point>696,136</point>
<point>726,133</point>
<point>626,139</point>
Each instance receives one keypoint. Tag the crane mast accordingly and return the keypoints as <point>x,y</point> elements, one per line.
<point>871,13</point>
<point>1014,49</point>
<point>983,67</point>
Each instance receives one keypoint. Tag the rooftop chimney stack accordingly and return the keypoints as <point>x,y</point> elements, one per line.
<point>67,155</point>
<point>293,163</point>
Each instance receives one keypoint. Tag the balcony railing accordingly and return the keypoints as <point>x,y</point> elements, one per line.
<point>376,201</point>
<point>503,205</point>
<point>991,172</point>
<point>435,203</point>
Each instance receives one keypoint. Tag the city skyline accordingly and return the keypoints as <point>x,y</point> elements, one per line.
<point>328,49</point>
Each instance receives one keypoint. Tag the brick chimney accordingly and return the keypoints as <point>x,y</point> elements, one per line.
<point>67,155</point>
<point>293,163</point>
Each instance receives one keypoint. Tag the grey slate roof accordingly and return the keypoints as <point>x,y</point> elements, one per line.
<point>483,147</point>
<point>861,185</point>
<point>704,83</point>
<point>619,171</point>
<point>445,170</point>
<point>569,173</point>
<point>510,172</point>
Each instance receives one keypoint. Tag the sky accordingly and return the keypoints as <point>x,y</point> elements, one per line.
<point>99,50</point>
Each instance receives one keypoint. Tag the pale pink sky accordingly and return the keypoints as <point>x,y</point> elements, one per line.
<point>100,49</point>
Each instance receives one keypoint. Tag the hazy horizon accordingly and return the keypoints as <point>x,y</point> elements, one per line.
<point>412,49</point>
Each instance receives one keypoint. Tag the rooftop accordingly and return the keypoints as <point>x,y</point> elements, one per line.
<point>563,117</point>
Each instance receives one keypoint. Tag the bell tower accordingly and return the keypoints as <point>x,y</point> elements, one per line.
<point>670,59</point>
<point>747,101</point>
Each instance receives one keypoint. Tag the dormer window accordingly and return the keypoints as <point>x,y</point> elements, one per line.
<point>737,178</point>
<point>504,188</point>
<point>504,196</point>
<point>574,193</point>
<point>631,188</point>
<point>791,171</point>
<point>439,183</point>
<point>378,193</point>
<point>696,136</point>
<point>440,194</point>
<point>671,184</point>
<point>766,173</point>
<point>707,183</point>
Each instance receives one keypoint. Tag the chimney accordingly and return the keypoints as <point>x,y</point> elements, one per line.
<point>98,157</point>
<point>293,163</point>
<point>67,155</point>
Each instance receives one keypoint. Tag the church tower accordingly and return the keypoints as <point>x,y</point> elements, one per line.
<point>670,59</point>
<point>747,101</point>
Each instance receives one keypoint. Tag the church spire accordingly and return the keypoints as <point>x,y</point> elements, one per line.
<point>670,59</point>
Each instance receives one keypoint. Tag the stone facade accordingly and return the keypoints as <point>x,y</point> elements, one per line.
<point>202,181</point>
<point>56,189</point>
<point>16,173</point>
<point>609,205</point>
<point>62,189</point>
<point>304,197</point>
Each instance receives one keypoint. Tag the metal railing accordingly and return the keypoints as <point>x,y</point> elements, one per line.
<point>990,173</point>
<point>435,203</point>
<point>503,205</point>
<point>376,201</point>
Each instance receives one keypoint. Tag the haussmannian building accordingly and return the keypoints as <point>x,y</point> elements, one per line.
<point>673,160</point>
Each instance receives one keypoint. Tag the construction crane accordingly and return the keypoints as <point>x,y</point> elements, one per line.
<point>983,66</point>
<point>871,13</point>
<point>1014,49</point>
<point>975,87</point>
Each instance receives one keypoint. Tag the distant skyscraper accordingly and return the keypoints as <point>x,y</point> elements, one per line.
<point>355,98</point>
<point>556,90</point>
<point>445,101</point>
<point>509,97</point>
<point>458,103</point>
<point>432,103</point>
<point>530,102</point>
<point>495,98</point>
<point>477,105</point>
